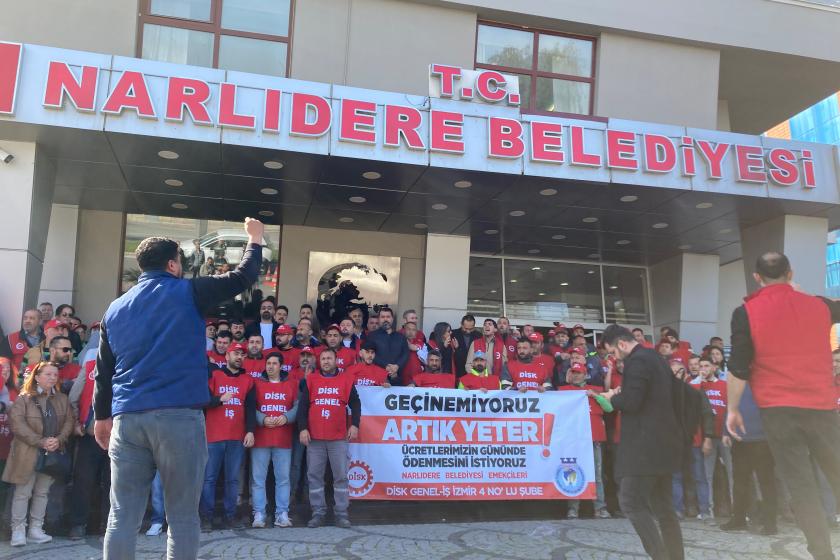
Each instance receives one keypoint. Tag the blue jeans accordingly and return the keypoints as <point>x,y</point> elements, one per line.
<point>698,469</point>
<point>172,439</point>
<point>158,509</point>
<point>229,453</point>
<point>282,460</point>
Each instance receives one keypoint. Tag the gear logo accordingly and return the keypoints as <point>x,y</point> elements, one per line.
<point>359,478</point>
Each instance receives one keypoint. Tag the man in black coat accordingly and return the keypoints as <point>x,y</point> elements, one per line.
<point>464,336</point>
<point>651,444</point>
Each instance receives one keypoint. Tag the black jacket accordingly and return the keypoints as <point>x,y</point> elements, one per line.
<point>651,443</point>
<point>254,328</point>
<point>390,349</point>
<point>464,340</point>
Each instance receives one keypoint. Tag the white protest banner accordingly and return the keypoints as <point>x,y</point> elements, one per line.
<point>443,444</point>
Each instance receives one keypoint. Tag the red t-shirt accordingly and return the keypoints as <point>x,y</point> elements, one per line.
<point>218,359</point>
<point>596,413</point>
<point>290,358</point>
<point>328,399</point>
<point>531,375</point>
<point>275,399</point>
<point>434,380</point>
<point>227,421</point>
<point>367,375</point>
<point>475,382</point>
<point>254,367</point>
<point>716,393</point>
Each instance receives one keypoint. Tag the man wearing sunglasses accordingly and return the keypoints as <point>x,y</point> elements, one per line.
<point>61,353</point>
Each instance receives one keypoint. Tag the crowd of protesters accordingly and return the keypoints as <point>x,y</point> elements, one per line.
<point>271,437</point>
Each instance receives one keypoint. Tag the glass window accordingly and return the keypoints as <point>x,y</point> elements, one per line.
<point>252,55</point>
<point>270,17</point>
<point>178,45</point>
<point>222,243</point>
<point>553,291</point>
<point>564,55</point>
<point>485,287</point>
<point>187,9</point>
<point>501,46</point>
<point>626,295</point>
<point>562,96</point>
<point>561,78</point>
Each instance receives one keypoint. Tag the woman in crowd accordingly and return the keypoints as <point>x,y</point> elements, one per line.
<point>441,339</point>
<point>42,420</point>
<point>718,359</point>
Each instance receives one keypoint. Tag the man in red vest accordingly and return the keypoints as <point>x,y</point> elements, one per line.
<point>28,336</point>
<point>322,419</point>
<point>365,373</point>
<point>793,386</point>
<point>491,345</point>
<point>525,373</point>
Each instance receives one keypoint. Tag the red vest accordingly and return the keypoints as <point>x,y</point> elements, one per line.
<point>328,399</point>
<point>254,367</point>
<point>218,359</point>
<point>344,357</point>
<point>413,365</point>
<point>596,413</point>
<point>69,372</point>
<point>530,376</point>
<point>510,346</point>
<point>435,380</point>
<point>797,375</point>
<point>19,347</point>
<point>86,399</point>
<point>367,375</point>
<point>6,434</point>
<point>473,382</point>
<point>290,358</point>
<point>227,421</point>
<point>498,348</point>
<point>275,399</point>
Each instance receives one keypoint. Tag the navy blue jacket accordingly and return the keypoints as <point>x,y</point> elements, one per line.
<point>152,344</point>
<point>752,418</point>
<point>390,349</point>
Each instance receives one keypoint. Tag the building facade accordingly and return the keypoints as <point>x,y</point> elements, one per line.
<point>572,162</point>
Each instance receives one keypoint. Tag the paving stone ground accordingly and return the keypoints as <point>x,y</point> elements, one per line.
<point>527,540</point>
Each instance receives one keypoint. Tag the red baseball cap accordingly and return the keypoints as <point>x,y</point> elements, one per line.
<point>234,346</point>
<point>284,329</point>
<point>535,337</point>
<point>306,350</point>
<point>579,350</point>
<point>677,361</point>
<point>210,323</point>
<point>578,326</point>
<point>333,327</point>
<point>55,324</point>
<point>580,368</point>
<point>552,332</point>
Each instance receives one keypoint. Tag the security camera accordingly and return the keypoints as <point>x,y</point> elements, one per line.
<point>5,156</point>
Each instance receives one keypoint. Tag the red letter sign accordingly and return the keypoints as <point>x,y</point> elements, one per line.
<point>403,122</point>
<point>357,121</point>
<point>783,171</point>
<point>808,170</point>
<point>447,130</point>
<point>130,92</point>
<point>750,164</point>
<point>621,148</point>
<point>61,80</point>
<point>10,55</point>
<point>660,154</point>
<point>579,155</point>
<point>271,119</point>
<point>227,109</point>
<point>189,94</point>
<point>505,138</point>
<point>300,124</point>
<point>714,157</point>
<point>491,86</point>
<point>447,74</point>
<point>546,142</point>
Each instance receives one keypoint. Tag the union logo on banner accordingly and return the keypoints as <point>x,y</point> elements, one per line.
<point>359,478</point>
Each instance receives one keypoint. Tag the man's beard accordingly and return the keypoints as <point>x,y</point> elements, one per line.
<point>385,325</point>
<point>266,316</point>
<point>479,369</point>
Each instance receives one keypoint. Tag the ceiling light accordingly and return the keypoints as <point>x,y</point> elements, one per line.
<point>268,191</point>
<point>491,231</point>
<point>724,231</point>
<point>421,226</point>
<point>558,237</point>
<point>462,184</point>
<point>516,213</point>
<point>266,213</point>
<point>594,256</point>
<point>345,220</point>
<point>659,225</point>
<point>174,182</point>
<point>492,291</point>
<point>541,294</point>
<point>179,206</point>
<point>623,242</point>
<point>168,154</point>
<point>476,300</point>
<point>629,198</point>
<point>704,205</point>
<point>564,283</point>
<point>684,247</point>
<point>613,287</point>
<point>548,192</point>
<point>535,268</point>
<point>273,164</point>
<point>371,175</point>
<point>513,281</point>
<point>439,206</point>
<point>590,272</point>
<point>533,251</point>
<point>357,199</point>
<point>590,220</point>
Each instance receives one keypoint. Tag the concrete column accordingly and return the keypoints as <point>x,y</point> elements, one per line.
<point>98,262</point>
<point>446,280</point>
<point>57,279</point>
<point>802,238</point>
<point>731,292</point>
<point>685,296</point>
<point>27,184</point>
